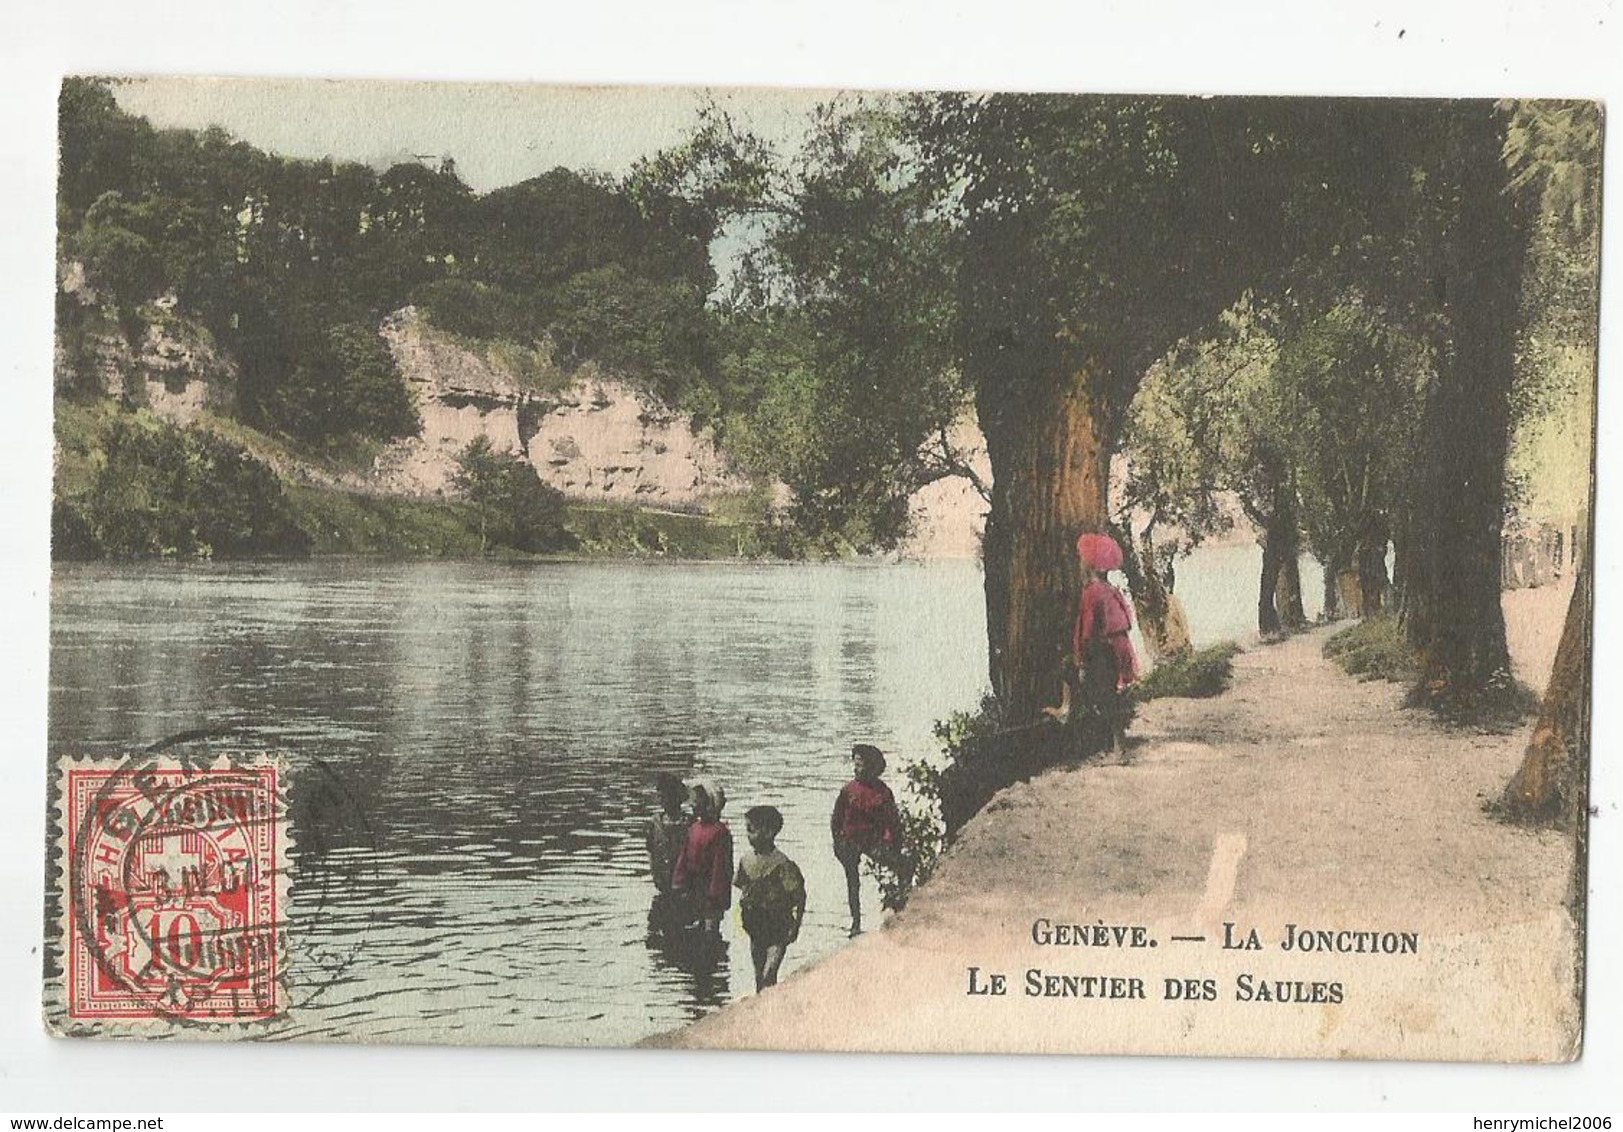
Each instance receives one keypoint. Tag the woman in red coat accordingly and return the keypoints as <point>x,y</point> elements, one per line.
<point>1106,662</point>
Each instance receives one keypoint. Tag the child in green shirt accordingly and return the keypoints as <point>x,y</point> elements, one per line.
<point>774,898</point>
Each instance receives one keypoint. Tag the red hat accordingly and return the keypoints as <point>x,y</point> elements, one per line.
<point>1098,551</point>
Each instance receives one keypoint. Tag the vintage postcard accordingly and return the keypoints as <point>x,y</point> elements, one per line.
<point>764,569</point>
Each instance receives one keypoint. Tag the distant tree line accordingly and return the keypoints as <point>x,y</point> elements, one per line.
<point>291,264</point>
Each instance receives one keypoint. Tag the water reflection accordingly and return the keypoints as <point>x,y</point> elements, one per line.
<point>472,746</point>
<point>472,743</point>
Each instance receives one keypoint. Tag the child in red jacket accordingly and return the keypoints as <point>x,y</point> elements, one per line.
<point>704,868</point>
<point>867,823</point>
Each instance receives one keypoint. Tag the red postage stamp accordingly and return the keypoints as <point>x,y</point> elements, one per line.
<point>176,893</point>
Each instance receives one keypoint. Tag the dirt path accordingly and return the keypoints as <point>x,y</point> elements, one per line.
<point>1300,797</point>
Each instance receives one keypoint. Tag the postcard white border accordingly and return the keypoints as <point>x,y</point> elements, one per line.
<point>1479,48</point>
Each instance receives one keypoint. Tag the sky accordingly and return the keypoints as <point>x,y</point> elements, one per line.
<point>499,133</point>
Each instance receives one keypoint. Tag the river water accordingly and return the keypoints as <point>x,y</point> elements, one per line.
<point>471,745</point>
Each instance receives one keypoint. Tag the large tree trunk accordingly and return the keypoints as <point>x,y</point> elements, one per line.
<point>1549,787</point>
<point>1373,584</point>
<point>1330,604</point>
<point>1288,523</point>
<point>1268,584</point>
<point>1288,596</point>
<point>1453,616</point>
<point>1050,452</point>
<point>1352,594</point>
<point>1279,594</point>
<point>1161,618</point>
<point>1336,568</point>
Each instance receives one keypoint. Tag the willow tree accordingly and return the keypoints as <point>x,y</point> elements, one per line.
<point>1349,381</point>
<point>1086,236</point>
<point>1096,233</point>
<point>1452,595</point>
<point>836,375</point>
<point>1169,499</point>
<point>1553,150</point>
<point>1225,395</point>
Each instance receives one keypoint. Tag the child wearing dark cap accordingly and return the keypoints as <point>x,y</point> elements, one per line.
<point>667,830</point>
<point>773,901</point>
<point>867,823</point>
<point>664,835</point>
<point>704,867</point>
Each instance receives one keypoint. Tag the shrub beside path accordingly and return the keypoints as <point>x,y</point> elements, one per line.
<point>1299,797</point>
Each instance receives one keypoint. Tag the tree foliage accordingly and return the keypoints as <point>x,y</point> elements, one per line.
<point>289,262</point>
<point>836,374</point>
<point>1553,151</point>
<point>1350,382</point>
<point>516,509</point>
<point>166,492</point>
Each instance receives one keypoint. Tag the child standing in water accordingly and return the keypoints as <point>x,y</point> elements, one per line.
<point>665,834</point>
<point>667,830</point>
<point>774,894</point>
<point>867,823</point>
<point>704,868</point>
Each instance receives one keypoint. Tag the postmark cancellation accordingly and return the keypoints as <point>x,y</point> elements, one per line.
<point>172,885</point>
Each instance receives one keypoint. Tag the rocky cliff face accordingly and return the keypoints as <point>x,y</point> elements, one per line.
<point>588,434</point>
<point>591,437</point>
<point>949,515</point>
<point>175,369</point>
